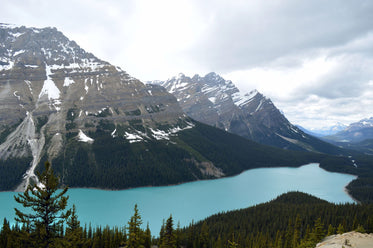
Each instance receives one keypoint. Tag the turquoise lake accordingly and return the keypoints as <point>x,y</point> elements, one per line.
<point>197,200</point>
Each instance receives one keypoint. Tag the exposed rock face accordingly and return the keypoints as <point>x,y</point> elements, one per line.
<point>51,88</point>
<point>350,239</point>
<point>218,102</point>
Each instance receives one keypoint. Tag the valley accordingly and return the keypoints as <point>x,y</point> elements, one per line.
<point>191,147</point>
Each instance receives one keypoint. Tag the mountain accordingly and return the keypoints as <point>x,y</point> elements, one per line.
<point>324,131</point>
<point>100,127</point>
<point>355,132</point>
<point>357,136</point>
<point>218,102</point>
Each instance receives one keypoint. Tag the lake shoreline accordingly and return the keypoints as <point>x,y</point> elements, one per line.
<point>197,200</point>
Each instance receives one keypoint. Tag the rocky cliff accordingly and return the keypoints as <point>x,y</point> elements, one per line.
<point>51,89</point>
<point>218,102</point>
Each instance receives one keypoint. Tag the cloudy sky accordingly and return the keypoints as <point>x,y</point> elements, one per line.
<point>314,59</point>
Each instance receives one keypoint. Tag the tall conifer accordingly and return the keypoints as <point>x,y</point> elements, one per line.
<point>47,214</point>
<point>135,234</point>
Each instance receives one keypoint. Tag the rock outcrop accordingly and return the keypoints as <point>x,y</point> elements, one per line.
<point>346,240</point>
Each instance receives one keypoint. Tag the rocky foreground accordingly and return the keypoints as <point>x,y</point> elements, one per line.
<point>350,239</point>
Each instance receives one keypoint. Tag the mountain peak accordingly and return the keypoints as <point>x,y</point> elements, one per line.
<point>216,101</point>
<point>53,91</point>
<point>37,47</point>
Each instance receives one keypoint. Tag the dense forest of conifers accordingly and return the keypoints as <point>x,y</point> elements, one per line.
<point>292,220</point>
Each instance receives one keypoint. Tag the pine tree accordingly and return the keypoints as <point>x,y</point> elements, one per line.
<point>168,240</point>
<point>232,244</point>
<point>219,242</point>
<point>5,234</point>
<point>340,229</point>
<point>161,233</point>
<point>318,231</point>
<point>74,231</point>
<point>331,230</point>
<point>47,210</point>
<point>135,234</point>
<point>147,237</point>
<point>289,234</point>
<point>297,231</point>
<point>360,229</point>
<point>178,235</point>
<point>278,240</point>
<point>204,237</point>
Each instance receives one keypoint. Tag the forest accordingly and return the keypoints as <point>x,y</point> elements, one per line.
<point>293,219</point>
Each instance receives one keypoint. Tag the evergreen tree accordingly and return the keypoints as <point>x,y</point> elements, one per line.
<point>318,231</point>
<point>178,235</point>
<point>161,233</point>
<point>360,229</point>
<point>147,237</point>
<point>219,243</point>
<point>135,234</point>
<point>297,231</point>
<point>331,230</point>
<point>340,229</point>
<point>168,240</point>
<point>74,231</point>
<point>278,240</point>
<point>47,210</point>
<point>5,234</point>
<point>204,237</point>
<point>232,244</point>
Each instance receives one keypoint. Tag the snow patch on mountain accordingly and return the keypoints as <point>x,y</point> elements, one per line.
<point>68,81</point>
<point>133,137</point>
<point>49,88</point>
<point>240,99</point>
<point>84,138</point>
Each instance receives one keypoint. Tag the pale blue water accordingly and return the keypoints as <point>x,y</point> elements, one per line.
<point>197,200</point>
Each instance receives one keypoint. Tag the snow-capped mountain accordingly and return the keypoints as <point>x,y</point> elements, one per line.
<point>324,131</point>
<point>218,102</point>
<point>100,127</point>
<point>355,132</point>
<point>51,90</point>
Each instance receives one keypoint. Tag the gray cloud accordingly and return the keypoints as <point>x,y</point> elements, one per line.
<point>278,38</point>
<point>350,78</point>
<point>249,35</point>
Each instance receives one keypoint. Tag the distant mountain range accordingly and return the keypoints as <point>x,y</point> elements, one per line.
<point>356,136</point>
<point>218,102</point>
<point>324,131</point>
<point>102,128</point>
<point>355,132</point>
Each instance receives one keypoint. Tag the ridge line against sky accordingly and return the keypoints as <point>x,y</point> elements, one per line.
<point>314,59</point>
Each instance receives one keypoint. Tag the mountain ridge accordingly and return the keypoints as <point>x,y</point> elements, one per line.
<point>218,102</point>
<point>100,127</point>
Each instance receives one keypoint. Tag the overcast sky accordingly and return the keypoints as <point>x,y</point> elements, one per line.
<point>314,59</point>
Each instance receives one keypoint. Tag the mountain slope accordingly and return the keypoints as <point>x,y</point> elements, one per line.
<point>217,102</point>
<point>53,93</point>
<point>102,128</point>
<point>354,133</point>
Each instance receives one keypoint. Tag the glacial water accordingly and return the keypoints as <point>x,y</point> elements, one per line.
<point>197,200</point>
